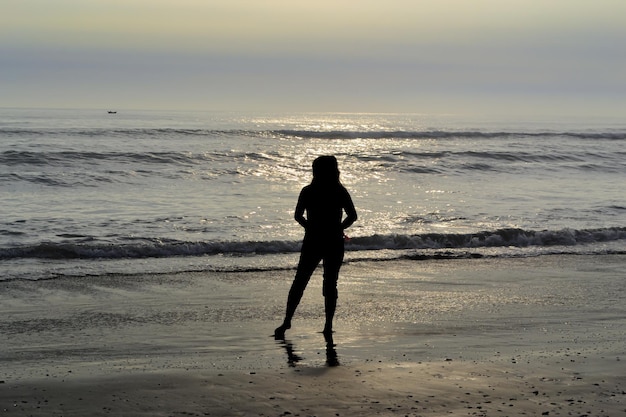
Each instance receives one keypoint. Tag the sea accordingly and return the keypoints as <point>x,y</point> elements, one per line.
<point>92,192</point>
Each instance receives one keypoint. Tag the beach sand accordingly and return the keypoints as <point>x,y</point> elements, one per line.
<point>477,337</point>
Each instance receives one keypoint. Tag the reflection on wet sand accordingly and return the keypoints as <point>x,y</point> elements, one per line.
<point>331,353</point>
<point>293,358</point>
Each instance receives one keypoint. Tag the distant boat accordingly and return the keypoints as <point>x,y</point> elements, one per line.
<point>112,112</point>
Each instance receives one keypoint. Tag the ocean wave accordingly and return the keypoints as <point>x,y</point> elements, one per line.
<point>144,248</point>
<point>153,248</point>
<point>442,134</point>
<point>307,134</point>
<point>121,133</point>
<point>184,158</point>
<point>60,158</point>
<point>65,158</point>
<point>498,238</point>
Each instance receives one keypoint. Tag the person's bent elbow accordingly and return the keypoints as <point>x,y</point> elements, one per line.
<point>301,220</point>
<point>349,221</point>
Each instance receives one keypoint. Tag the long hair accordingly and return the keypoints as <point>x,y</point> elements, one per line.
<point>326,170</point>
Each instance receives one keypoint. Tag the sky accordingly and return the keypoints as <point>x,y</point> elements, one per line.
<point>565,57</point>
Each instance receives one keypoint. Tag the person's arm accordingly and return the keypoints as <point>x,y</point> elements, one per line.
<point>300,207</point>
<point>351,215</point>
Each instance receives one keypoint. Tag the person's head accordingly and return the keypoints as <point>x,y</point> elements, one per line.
<point>326,170</point>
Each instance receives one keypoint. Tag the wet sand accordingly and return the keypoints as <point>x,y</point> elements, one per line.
<point>480,337</point>
<point>435,388</point>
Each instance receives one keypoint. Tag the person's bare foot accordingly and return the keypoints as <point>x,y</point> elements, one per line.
<point>279,333</point>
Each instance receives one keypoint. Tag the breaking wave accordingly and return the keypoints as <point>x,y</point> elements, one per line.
<point>153,248</point>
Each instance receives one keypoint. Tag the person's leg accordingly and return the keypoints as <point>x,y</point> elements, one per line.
<point>332,264</point>
<point>308,262</point>
<point>330,305</point>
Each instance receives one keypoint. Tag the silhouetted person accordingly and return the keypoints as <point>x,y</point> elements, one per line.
<point>324,201</point>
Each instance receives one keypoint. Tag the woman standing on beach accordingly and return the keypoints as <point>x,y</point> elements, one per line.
<point>324,201</point>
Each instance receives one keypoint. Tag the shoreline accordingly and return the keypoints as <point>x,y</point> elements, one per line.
<point>474,337</point>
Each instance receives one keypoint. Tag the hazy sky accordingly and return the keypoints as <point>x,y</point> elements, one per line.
<point>507,56</point>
